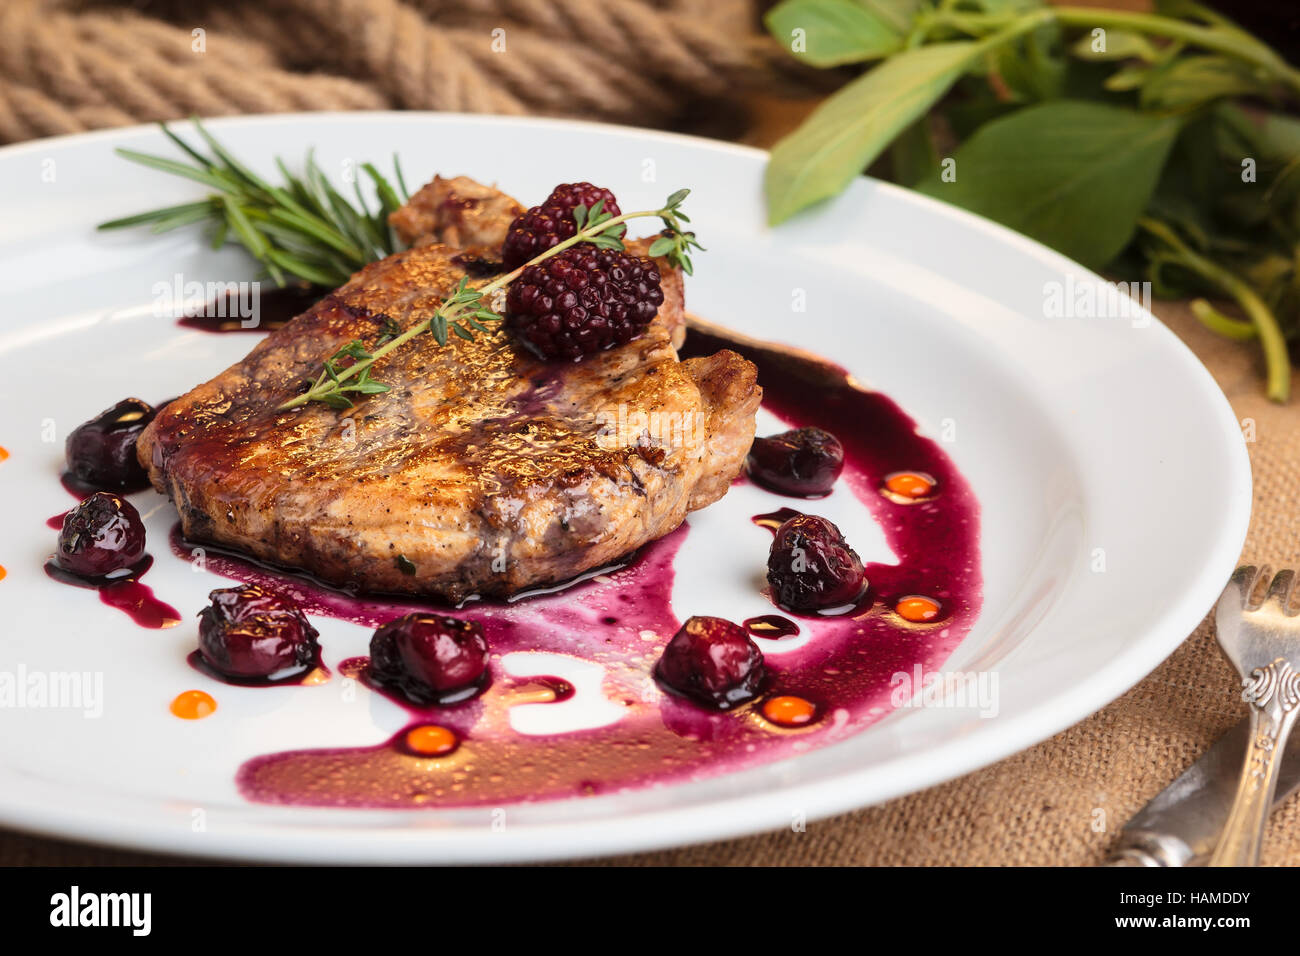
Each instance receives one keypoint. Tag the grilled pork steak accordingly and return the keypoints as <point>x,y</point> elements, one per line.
<point>483,470</point>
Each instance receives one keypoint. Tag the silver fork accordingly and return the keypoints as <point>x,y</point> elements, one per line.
<point>1263,642</point>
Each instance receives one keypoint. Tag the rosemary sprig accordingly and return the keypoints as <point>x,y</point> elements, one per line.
<point>304,229</point>
<point>466,309</point>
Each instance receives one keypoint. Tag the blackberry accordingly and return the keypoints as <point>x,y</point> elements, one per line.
<point>549,224</point>
<point>583,300</point>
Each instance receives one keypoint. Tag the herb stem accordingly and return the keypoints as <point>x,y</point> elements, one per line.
<point>1220,39</point>
<point>1277,361</point>
<point>324,384</point>
<point>304,229</point>
<point>1221,324</point>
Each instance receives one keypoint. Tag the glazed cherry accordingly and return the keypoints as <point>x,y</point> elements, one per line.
<point>101,452</point>
<point>250,633</point>
<point>811,566</point>
<point>429,658</point>
<point>712,661</point>
<point>803,463</point>
<point>101,535</point>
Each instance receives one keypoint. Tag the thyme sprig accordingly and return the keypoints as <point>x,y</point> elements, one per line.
<point>677,242</point>
<point>465,310</point>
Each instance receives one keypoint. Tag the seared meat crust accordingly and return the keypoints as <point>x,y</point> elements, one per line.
<point>457,212</point>
<point>482,471</point>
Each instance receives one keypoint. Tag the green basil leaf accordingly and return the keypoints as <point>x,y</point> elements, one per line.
<point>913,155</point>
<point>1193,80</point>
<point>1030,68</point>
<point>1114,45</point>
<point>1127,78</point>
<point>1193,177</point>
<point>835,32</point>
<point>1281,135</point>
<point>1285,189</point>
<point>1008,6</point>
<point>1271,138</point>
<point>853,126</point>
<point>1073,175</point>
<point>900,14</point>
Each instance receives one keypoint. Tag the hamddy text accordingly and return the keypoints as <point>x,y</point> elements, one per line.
<point>1193,896</point>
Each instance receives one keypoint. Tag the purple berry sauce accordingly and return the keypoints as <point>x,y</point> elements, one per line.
<point>124,592</point>
<point>623,617</point>
<point>275,308</point>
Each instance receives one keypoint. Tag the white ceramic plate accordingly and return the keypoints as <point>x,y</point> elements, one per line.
<point>1113,479</point>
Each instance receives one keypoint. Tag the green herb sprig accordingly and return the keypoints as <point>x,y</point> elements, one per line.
<point>1159,145</point>
<point>304,229</point>
<point>309,231</point>
<point>466,309</point>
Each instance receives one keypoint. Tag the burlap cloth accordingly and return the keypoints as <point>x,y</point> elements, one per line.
<point>1037,807</point>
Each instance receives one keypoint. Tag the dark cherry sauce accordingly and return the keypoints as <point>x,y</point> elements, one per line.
<point>772,626</point>
<point>126,593</point>
<point>275,308</point>
<point>72,486</point>
<point>56,521</point>
<point>354,667</point>
<point>772,520</point>
<point>832,686</point>
<point>314,596</point>
<point>450,698</point>
<point>318,673</point>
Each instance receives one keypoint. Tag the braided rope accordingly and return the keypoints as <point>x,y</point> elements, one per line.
<point>61,73</point>
<point>67,66</point>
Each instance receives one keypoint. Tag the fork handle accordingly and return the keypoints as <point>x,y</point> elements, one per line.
<point>1272,693</point>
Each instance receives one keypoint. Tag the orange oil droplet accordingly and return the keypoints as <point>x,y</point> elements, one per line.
<point>193,705</point>
<point>4,453</point>
<point>789,711</point>
<point>910,484</point>
<point>3,572</point>
<point>430,740</point>
<point>918,609</point>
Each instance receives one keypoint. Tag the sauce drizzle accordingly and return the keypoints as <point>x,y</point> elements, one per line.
<point>125,593</point>
<point>832,687</point>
